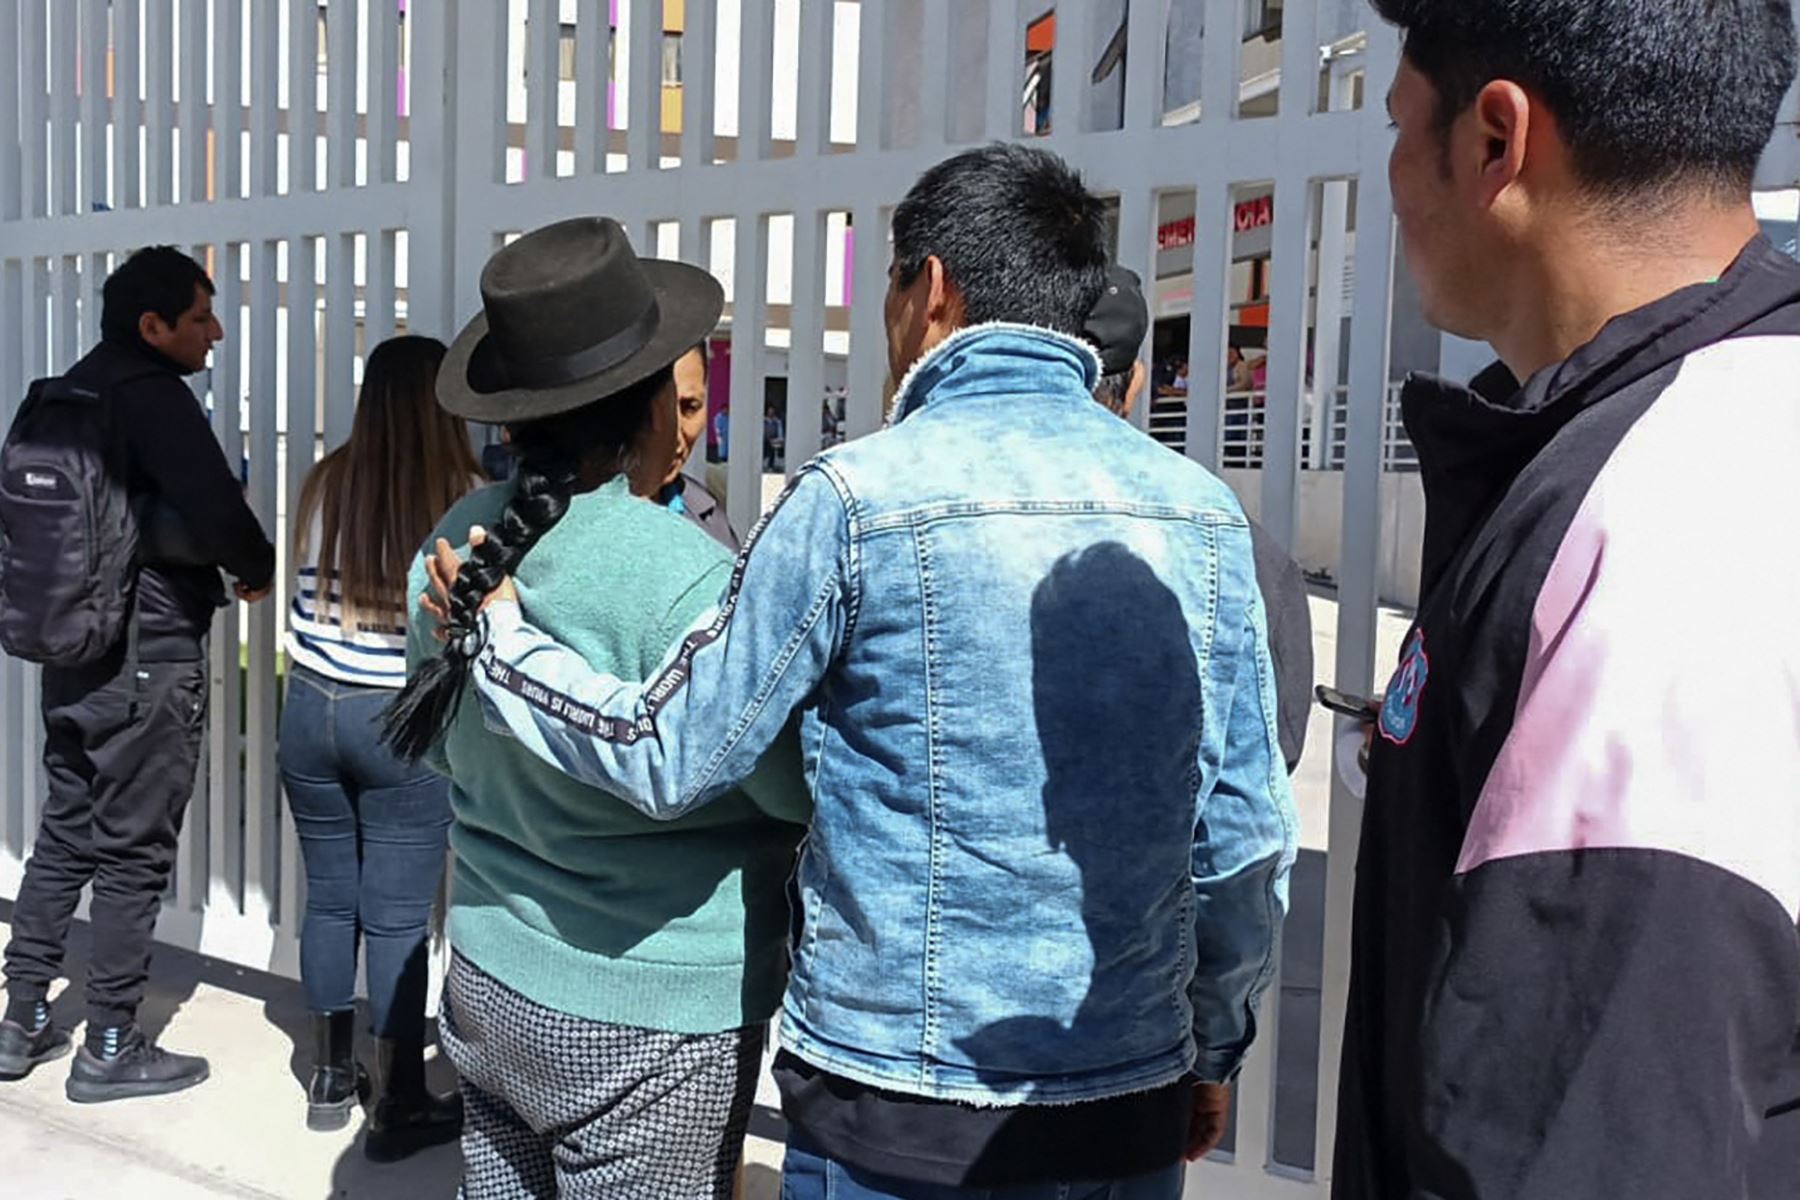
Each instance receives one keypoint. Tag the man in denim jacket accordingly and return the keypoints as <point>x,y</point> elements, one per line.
<point>1045,879</point>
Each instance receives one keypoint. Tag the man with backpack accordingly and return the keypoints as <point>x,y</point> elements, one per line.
<point>117,511</point>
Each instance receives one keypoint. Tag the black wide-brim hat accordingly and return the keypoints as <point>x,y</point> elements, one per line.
<point>571,315</point>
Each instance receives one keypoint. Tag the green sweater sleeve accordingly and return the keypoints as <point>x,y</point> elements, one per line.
<point>778,785</point>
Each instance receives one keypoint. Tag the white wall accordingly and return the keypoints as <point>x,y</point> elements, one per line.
<point>1320,543</point>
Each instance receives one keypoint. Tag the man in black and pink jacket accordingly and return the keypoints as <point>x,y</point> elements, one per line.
<point>1576,967</point>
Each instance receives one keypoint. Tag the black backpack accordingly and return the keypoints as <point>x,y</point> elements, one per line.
<point>68,535</point>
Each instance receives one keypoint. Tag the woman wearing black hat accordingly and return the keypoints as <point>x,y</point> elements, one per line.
<point>611,975</point>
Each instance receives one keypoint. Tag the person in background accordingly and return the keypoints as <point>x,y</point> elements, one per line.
<point>1044,882</point>
<point>122,736</point>
<point>720,449</point>
<point>1238,377</point>
<point>611,976</point>
<point>373,829</point>
<point>1177,384</point>
<point>1116,327</point>
<point>774,439</point>
<point>667,446</point>
<point>1575,962</point>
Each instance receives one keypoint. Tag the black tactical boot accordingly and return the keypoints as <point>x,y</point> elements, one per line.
<point>339,1082</point>
<point>406,1118</point>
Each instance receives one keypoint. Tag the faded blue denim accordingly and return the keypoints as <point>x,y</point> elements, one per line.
<point>1053,830</point>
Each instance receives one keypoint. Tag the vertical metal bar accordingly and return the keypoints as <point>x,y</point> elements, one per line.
<point>303,96</point>
<point>1295,203</point>
<point>340,339</point>
<point>1206,323</point>
<point>340,90</point>
<point>127,108</point>
<point>699,84</point>
<point>865,407</point>
<point>755,95</point>
<point>39,364</point>
<point>14,715</point>
<point>1005,68</point>
<point>812,135</point>
<point>65,60</point>
<point>196,117</point>
<point>593,83</point>
<point>934,78</point>
<point>159,107</point>
<point>228,101</point>
<point>265,113</point>
<point>12,195</point>
<point>383,90</point>
<point>806,344</point>
<point>95,32</point>
<point>1253,1146</point>
<point>643,122</point>
<point>93,279</point>
<point>378,306</point>
<point>1073,63</point>
<point>871,80</point>
<point>261,800</point>
<point>543,71</point>
<point>302,432</point>
<point>1146,45</point>
<point>1328,340</point>
<point>1137,252</point>
<point>1358,591</point>
<point>34,96</point>
<point>224,771</point>
<point>1220,49</point>
<point>749,290</point>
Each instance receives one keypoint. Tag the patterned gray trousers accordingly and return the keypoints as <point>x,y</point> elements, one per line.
<point>561,1106</point>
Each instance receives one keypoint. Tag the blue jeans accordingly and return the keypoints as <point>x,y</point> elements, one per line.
<point>373,832</point>
<point>807,1176</point>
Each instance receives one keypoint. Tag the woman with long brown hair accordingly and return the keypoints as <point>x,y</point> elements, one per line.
<point>373,829</point>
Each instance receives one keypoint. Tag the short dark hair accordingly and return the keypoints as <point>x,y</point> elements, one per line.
<point>157,279</point>
<point>1648,94</point>
<point>1019,235</point>
<point>1111,389</point>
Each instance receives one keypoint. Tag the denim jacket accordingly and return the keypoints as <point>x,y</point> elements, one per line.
<point>1049,856</point>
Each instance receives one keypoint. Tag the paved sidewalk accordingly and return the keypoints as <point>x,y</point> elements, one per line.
<point>242,1133</point>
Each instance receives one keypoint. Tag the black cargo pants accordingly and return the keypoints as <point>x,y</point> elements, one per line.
<point>120,756</point>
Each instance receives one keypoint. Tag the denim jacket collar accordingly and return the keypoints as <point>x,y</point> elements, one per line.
<point>971,360</point>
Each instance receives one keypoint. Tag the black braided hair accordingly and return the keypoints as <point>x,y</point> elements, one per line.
<point>556,457</point>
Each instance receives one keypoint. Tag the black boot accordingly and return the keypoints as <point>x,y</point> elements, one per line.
<point>339,1082</point>
<point>119,1063</point>
<point>406,1118</point>
<point>27,1038</point>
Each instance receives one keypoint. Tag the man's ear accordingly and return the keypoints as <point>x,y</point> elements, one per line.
<point>944,301</point>
<point>153,329</point>
<point>1503,127</point>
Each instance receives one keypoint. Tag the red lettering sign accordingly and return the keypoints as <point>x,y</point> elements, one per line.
<point>1254,214</point>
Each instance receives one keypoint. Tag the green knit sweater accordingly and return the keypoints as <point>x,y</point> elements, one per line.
<point>564,893</point>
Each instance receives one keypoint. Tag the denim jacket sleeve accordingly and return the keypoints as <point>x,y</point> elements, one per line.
<point>723,694</point>
<point>1243,852</point>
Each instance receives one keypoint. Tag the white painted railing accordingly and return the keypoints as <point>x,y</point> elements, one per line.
<point>1243,430</point>
<point>342,190</point>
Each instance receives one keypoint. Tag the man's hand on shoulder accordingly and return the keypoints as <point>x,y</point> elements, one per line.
<point>250,595</point>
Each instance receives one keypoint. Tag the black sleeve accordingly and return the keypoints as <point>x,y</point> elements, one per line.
<point>176,458</point>
<point>1609,1023</point>
<point>1283,589</point>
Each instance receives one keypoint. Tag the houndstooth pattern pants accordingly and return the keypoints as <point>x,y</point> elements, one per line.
<point>561,1106</point>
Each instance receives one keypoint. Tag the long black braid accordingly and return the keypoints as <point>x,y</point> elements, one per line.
<point>556,457</point>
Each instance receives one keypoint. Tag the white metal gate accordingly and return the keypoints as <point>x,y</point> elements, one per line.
<point>348,165</point>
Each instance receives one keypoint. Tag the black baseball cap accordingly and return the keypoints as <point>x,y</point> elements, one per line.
<point>1119,320</point>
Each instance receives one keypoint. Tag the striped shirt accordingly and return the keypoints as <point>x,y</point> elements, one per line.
<point>371,655</point>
